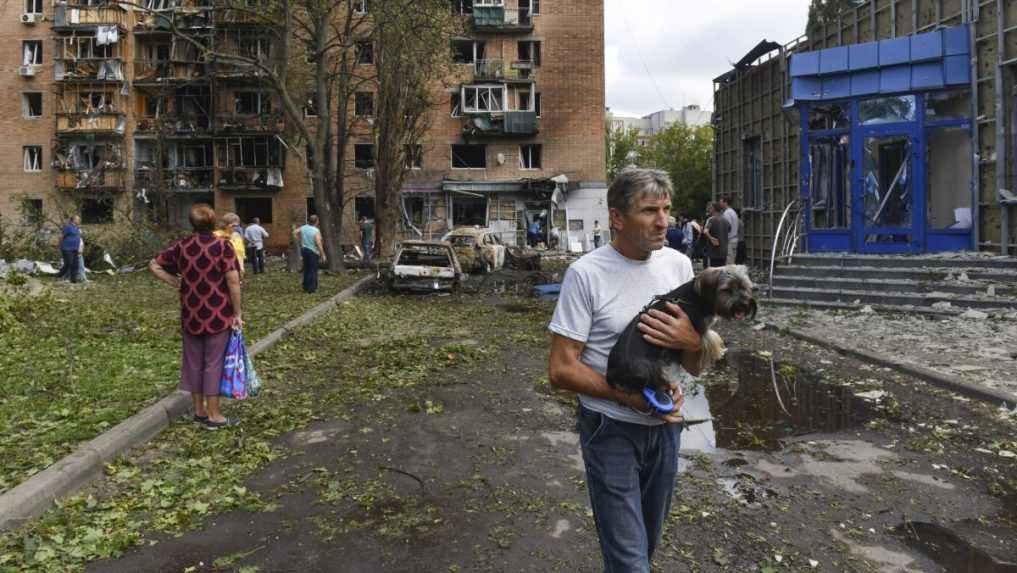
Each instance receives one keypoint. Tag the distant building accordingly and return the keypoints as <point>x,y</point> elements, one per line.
<point>649,125</point>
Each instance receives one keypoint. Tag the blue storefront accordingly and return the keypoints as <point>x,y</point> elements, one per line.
<point>886,146</point>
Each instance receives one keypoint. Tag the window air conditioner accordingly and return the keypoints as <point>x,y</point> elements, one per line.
<point>29,18</point>
<point>26,70</point>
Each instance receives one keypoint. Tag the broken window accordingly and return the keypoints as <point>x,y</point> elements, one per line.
<point>828,116</point>
<point>948,163</point>
<point>31,212</point>
<point>455,103</point>
<point>951,105</point>
<point>414,207</point>
<point>830,182</point>
<point>154,106</point>
<point>414,155</point>
<point>96,211</point>
<point>483,98</point>
<point>248,208</point>
<point>461,6</point>
<point>255,47</point>
<point>33,6</point>
<point>887,186</point>
<point>32,157</point>
<point>529,156</point>
<point>31,52</point>
<point>469,156</point>
<point>892,109</point>
<point>363,104</point>
<point>31,104</point>
<point>249,152</point>
<point>363,155</point>
<point>252,103</point>
<point>529,51</point>
<point>524,101</point>
<point>364,52</point>
<point>467,51</point>
<point>469,211</point>
<point>361,6</point>
<point>311,105</point>
<point>363,207</point>
<point>196,155</point>
<point>752,172</point>
<point>536,103</point>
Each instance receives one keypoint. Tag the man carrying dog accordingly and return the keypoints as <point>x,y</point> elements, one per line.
<point>630,452</point>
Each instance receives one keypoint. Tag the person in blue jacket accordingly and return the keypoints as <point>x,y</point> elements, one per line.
<point>70,246</point>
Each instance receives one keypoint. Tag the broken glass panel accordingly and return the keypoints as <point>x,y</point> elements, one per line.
<point>828,116</point>
<point>948,193</point>
<point>830,182</point>
<point>892,109</point>
<point>887,183</point>
<point>942,106</point>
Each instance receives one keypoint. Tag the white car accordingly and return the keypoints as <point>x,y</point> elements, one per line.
<point>425,265</point>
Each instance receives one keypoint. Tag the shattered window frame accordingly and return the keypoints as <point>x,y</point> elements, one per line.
<point>32,158</point>
<point>32,105</point>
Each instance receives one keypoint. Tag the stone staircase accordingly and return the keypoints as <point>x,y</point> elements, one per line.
<point>941,284</point>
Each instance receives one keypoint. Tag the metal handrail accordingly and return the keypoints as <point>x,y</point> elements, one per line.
<point>788,242</point>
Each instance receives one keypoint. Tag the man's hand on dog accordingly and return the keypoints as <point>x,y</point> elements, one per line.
<point>671,329</point>
<point>636,401</point>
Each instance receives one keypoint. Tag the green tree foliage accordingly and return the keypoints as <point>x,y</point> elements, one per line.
<point>686,154</point>
<point>622,149</point>
<point>826,11</point>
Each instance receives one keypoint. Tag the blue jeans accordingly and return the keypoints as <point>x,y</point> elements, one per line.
<point>311,259</point>
<point>630,473</point>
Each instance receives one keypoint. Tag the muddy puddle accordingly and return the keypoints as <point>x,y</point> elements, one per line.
<point>754,403</point>
<point>950,550</point>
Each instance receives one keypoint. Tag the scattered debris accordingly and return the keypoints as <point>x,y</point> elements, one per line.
<point>872,395</point>
<point>974,314</point>
<point>867,310</point>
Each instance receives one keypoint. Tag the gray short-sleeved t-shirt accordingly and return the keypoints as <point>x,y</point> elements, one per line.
<point>600,295</point>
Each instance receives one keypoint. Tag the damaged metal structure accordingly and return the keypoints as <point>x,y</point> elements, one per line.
<point>888,130</point>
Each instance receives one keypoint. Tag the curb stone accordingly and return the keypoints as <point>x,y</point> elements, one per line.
<point>988,395</point>
<point>33,497</point>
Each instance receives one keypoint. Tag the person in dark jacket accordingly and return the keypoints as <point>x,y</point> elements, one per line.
<point>70,246</point>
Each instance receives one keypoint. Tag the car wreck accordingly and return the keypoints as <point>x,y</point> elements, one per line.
<point>424,265</point>
<point>478,250</point>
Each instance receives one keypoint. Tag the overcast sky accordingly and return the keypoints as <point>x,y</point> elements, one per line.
<point>665,53</point>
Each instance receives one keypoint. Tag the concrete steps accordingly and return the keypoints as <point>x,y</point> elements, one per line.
<point>901,283</point>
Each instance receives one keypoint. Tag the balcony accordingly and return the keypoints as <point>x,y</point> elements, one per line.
<point>179,125</point>
<point>250,178</point>
<point>158,72</point>
<point>238,123</point>
<point>500,70</point>
<point>70,17</point>
<point>176,179</point>
<point>89,70</point>
<point>499,19</point>
<point>111,123</point>
<point>500,124</point>
<point>97,179</point>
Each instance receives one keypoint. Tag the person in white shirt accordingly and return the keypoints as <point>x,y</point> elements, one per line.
<point>630,451</point>
<point>255,236</point>
<point>734,233</point>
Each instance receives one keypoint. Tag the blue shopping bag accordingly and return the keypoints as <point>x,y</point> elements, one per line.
<point>234,382</point>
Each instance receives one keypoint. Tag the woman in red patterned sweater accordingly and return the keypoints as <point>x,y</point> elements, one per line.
<point>204,269</point>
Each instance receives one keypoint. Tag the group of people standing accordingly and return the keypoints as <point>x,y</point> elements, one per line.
<point>718,242</point>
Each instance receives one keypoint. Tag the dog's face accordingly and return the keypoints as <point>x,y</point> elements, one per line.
<point>727,291</point>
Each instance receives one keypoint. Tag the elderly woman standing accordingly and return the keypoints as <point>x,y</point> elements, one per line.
<point>203,268</point>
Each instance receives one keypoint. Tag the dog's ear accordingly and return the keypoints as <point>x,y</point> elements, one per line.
<point>706,281</point>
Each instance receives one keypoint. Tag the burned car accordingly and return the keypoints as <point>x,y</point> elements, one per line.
<point>424,265</point>
<point>478,250</point>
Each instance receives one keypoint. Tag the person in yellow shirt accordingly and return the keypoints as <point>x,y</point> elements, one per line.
<point>228,229</point>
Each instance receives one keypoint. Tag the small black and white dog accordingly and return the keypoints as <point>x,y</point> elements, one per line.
<point>719,292</point>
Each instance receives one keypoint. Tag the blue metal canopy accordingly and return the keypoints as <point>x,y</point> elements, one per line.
<point>920,62</point>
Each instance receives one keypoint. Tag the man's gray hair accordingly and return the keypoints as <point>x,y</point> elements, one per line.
<point>634,183</point>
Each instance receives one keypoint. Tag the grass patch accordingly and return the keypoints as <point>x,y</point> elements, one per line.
<point>89,357</point>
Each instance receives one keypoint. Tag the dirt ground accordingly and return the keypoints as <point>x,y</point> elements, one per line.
<point>812,462</point>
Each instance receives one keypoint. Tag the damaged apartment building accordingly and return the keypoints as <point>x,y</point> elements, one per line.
<point>888,129</point>
<point>117,115</point>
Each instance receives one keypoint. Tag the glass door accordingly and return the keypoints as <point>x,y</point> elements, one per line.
<point>888,198</point>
